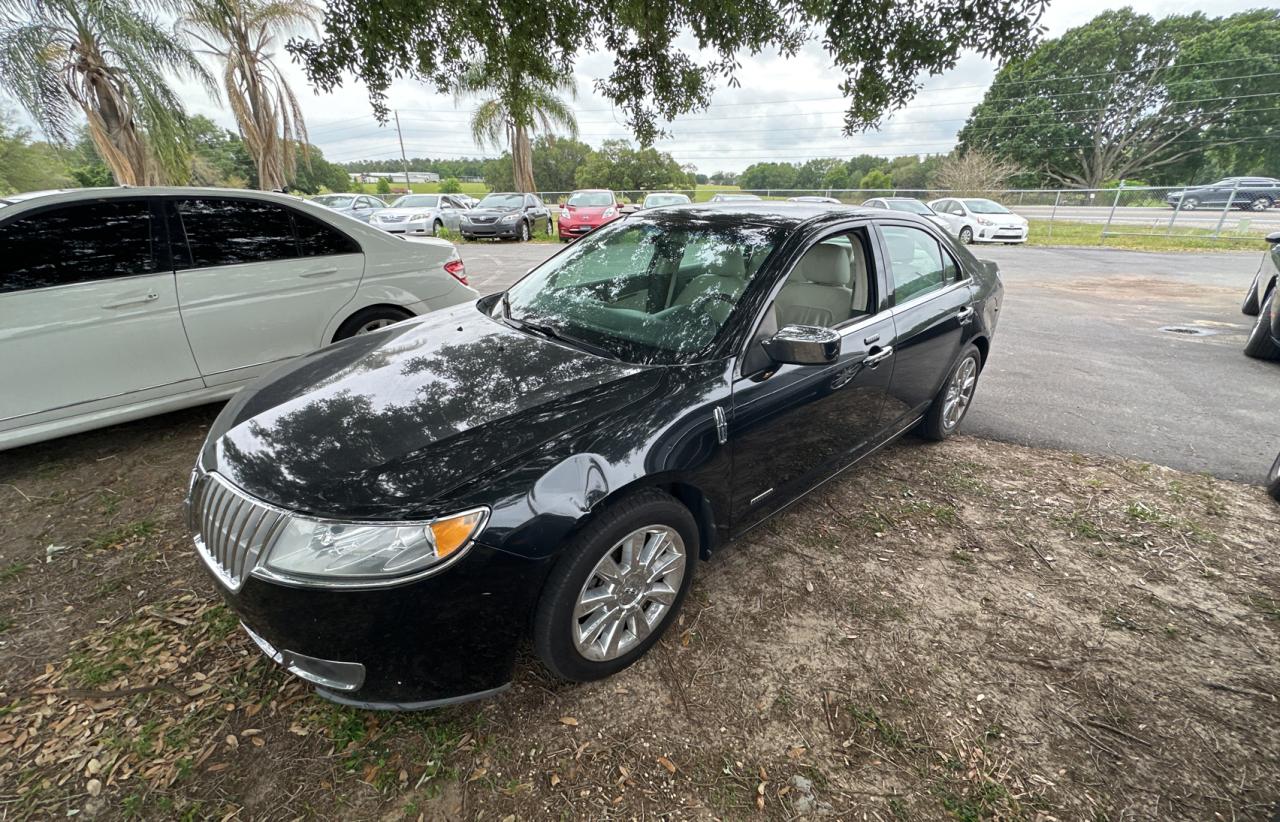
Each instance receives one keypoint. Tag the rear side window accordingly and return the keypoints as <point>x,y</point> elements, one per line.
<point>917,262</point>
<point>78,243</point>
<point>231,231</point>
<point>318,239</point>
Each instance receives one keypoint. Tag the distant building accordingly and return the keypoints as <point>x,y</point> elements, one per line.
<point>393,176</point>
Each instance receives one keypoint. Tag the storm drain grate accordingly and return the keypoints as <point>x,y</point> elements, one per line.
<point>1188,330</point>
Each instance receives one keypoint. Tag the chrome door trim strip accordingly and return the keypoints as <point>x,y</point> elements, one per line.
<point>103,399</point>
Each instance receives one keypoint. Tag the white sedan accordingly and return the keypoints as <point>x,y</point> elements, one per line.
<point>120,303</point>
<point>979,220</point>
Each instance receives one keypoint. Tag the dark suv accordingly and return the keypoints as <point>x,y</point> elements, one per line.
<point>1252,193</point>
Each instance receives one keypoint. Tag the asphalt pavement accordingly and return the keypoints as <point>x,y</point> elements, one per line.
<point>1080,362</point>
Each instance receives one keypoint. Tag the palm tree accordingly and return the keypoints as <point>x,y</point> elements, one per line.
<point>514,112</point>
<point>242,34</point>
<point>104,59</point>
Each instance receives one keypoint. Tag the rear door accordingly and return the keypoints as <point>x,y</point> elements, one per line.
<point>932,315</point>
<point>258,282</point>
<point>88,311</point>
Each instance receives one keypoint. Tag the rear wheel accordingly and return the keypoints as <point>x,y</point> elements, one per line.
<point>952,401</point>
<point>369,320</point>
<point>617,587</point>
<point>1260,344</point>
<point>1260,203</point>
<point>966,235</point>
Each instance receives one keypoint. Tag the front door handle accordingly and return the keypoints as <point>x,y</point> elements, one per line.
<point>880,356</point>
<point>965,314</point>
<point>149,297</point>
<point>320,272</point>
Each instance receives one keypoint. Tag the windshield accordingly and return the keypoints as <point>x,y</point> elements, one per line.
<point>333,201</point>
<point>416,201</point>
<point>655,200</point>
<point>501,201</point>
<point>652,290</point>
<point>985,207</point>
<point>591,199</point>
<point>912,206</point>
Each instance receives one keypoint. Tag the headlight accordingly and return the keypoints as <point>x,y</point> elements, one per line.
<point>416,217</point>
<point>609,212</point>
<point>565,215</point>
<point>984,221</point>
<point>327,554</point>
<point>510,218</point>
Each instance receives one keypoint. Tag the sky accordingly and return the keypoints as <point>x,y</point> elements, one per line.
<point>783,110</point>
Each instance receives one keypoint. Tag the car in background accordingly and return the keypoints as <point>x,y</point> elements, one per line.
<point>120,303</point>
<point>1250,193</point>
<point>466,200</point>
<point>979,220</point>
<point>547,465</point>
<point>1261,302</point>
<point>733,197</point>
<point>658,199</point>
<point>910,205</point>
<point>359,206</point>
<point>813,198</point>
<point>585,211</point>
<point>506,215</point>
<point>420,214</point>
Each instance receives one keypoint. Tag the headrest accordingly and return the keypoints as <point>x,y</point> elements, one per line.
<point>724,262</point>
<point>826,264</point>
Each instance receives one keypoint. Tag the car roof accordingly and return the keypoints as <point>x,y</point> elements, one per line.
<point>59,195</point>
<point>782,213</point>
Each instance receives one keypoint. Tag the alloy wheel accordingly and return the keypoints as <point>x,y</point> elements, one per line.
<point>628,593</point>
<point>1190,203</point>
<point>524,232</point>
<point>966,235</point>
<point>959,393</point>
<point>375,325</point>
<point>1260,204</point>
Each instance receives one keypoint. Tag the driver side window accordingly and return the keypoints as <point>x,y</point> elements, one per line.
<point>830,285</point>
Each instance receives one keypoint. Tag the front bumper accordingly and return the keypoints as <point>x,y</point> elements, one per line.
<point>440,640</point>
<point>416,227</point>
<point>1000,234</point>
<point>569,232</point>
<point>491,229</point>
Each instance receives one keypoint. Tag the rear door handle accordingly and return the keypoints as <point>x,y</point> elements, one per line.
<point>320,272</point>
<point>965,314</point>
<point>880,356</point>
<point>149,297</point>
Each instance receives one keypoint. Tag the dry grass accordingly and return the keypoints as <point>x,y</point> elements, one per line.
<point>967,631</point>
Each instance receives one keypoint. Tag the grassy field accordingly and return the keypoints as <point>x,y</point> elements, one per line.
<point>1180,239</point>
<point>970,630</point>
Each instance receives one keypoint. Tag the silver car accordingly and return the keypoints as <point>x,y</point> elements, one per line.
<point>662,198</point>
<point>910,205</point>
<point>360,206</point>
<point>420,214</point>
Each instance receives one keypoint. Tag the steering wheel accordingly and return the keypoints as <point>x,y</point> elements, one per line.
<point>710,296</point>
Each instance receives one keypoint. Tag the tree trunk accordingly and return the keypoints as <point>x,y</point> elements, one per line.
<point>522,159</point>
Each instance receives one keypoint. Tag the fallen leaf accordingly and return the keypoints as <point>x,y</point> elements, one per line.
<point>795,752</point>
<point>94,787</point>
<point>555,779</point>
<point>668,764</point>
<point>568,720</point>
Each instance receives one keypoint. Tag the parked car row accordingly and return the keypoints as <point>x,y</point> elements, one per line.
<point>120,303</point>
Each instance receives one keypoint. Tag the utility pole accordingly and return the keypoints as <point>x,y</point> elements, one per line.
<point>403,160</point>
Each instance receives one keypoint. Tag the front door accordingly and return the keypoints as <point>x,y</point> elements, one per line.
<point>792,426</point>
<point>88,312</point>
<point>932,315</point>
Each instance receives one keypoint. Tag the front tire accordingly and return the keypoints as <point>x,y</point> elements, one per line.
<point>435,228</point>
<point>1260,344</point>
<point>1190,203</point>
<point>618,585</point>
<point>524,231</point>
<point>1250,306</point>
<point>966,235</point>
<point>1273,480</point>
<point>953,399</point>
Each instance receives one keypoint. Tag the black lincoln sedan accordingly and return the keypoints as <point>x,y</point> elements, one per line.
<point>394,515</point>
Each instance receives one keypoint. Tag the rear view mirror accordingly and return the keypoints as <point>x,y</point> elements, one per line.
<point>1274,238</point>
<point>803,345</point>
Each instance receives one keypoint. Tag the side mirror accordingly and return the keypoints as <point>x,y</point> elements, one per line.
<point>1274,238</point>
<point>803,345</point>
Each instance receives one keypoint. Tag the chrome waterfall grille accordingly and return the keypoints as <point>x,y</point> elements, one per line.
<point>231,530</point>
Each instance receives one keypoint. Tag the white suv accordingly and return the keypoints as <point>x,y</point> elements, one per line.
<point>124,302</point>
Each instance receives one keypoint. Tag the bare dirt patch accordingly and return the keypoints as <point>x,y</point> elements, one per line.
<point>969,631</point>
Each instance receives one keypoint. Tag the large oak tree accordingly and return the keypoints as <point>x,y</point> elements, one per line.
<point>1126,95</point>
<point>667,56</point>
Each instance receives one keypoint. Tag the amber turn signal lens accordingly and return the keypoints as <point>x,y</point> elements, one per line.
<point>453,533</point>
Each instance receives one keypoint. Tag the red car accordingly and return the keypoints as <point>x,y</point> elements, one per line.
<point>586,211</point>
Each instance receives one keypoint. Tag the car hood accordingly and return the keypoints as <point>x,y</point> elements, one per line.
<point>587,212</point>
<point>384,424</point>
<point>402,212</point>
<point>491,212</point>
<point>1002,219</point>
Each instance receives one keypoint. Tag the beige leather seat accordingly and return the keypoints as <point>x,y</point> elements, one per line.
<point>826,287</point>
<point>726,272</point>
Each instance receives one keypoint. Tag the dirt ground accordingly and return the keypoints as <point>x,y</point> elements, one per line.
<point>966,631</point>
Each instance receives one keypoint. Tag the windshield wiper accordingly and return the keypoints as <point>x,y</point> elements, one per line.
<point>551,332</point>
